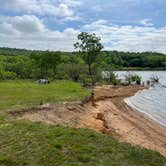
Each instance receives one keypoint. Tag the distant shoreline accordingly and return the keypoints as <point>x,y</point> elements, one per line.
<point>140,69</point>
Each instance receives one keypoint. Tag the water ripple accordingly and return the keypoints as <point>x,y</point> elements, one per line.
<point>151,101</point>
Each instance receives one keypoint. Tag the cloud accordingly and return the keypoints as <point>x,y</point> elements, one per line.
<point>63,8</point>
<point>27,24</point>
<point>146,22</point>
<point>29,32</point>
<point>128,37</point>
<point>72,3</point>
<point>21,25</point>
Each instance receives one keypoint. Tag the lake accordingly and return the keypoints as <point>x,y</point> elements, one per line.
<point>150,101</point>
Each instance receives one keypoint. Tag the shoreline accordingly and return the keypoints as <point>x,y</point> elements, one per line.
<point>122,121</point>
<point>111,116</point>
<point>126,100</point>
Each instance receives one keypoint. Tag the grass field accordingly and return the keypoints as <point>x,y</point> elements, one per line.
<point>15,94</point>
<point>37,144</point>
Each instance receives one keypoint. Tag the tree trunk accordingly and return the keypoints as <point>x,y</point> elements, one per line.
<point>90,73</point>
<point>90,70</point>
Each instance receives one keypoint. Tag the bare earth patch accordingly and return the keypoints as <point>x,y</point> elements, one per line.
<point>110,115</point>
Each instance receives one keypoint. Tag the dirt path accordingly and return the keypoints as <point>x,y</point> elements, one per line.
<point>111,116</point>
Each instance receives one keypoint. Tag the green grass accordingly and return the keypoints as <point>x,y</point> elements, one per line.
<point>37,144</point>
<point>15,94</point>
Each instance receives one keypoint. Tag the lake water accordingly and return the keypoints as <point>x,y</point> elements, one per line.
<point>150,101</point>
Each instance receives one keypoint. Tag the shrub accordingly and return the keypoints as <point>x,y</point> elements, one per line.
<point>133,78</point>
<point>110,77</point>
<point>10,75</point>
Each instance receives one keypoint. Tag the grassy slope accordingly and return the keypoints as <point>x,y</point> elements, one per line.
<point>28,143</point>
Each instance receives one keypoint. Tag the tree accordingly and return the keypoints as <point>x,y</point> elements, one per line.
<point>90,47</point>
<point>51,60</point>
<point>46,61</point>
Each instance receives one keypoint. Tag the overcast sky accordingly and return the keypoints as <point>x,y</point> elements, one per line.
<point>125,25</point>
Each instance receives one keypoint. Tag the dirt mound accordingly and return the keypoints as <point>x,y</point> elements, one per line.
<point>66,114</point>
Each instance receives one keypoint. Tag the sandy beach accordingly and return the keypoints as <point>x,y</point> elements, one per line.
<point>124,123</point>
<point>110,115</point>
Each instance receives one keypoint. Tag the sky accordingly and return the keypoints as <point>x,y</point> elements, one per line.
<point>123,25</point>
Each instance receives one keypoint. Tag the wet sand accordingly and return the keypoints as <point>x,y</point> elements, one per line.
<point>110,115</point>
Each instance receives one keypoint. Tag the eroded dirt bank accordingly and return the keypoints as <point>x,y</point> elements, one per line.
<point>110,115</point>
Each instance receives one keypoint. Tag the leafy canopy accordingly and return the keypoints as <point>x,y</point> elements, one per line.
<point>89,45</point>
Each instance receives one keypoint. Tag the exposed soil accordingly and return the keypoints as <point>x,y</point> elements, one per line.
<point>110,115</point>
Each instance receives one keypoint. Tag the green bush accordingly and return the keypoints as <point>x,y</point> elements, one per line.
<point>10,75</point>
<point>133,78</point>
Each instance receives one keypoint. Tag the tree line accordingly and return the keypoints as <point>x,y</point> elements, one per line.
<point>85,64</point>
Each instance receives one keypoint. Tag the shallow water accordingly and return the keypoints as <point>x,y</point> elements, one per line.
<point>150,101</point>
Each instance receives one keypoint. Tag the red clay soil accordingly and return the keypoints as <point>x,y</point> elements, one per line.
<point>111,115</point>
